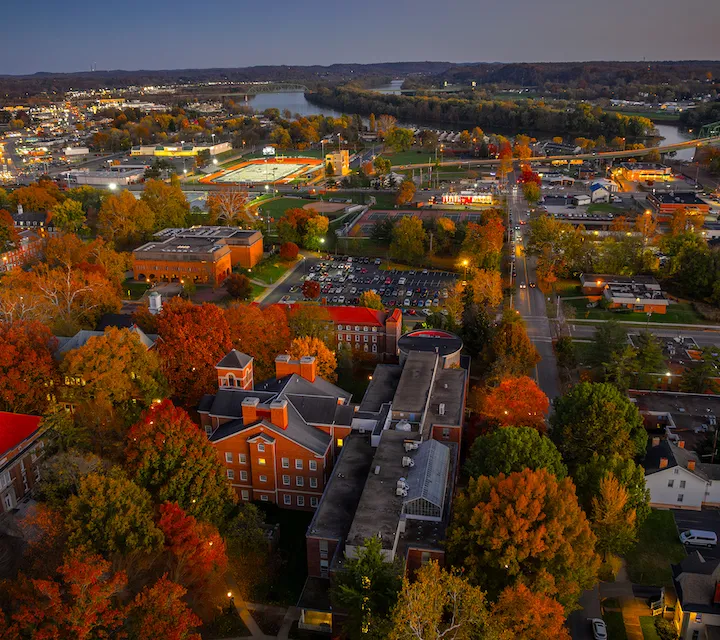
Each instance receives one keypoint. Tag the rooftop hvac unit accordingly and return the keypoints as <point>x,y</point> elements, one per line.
<point>401,492</point>
<point>408,462</point>
<point>403,425</point>
<point>441,409</point>
<point>411,445</point>
<point>377,469</point>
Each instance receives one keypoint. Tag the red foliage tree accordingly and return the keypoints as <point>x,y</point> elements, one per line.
<point>516,402</point>
<point>527,175</point>
<point>80,604</point>
<point>196,548</point>
<point>530,615</point>
<point>311,289</point>
<point>289,251</point>
<point>159,612</point>
<point>28,371</point>
<point>8,233</point>
<point>194,339</point>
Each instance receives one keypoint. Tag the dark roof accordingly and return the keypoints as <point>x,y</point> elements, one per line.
<point>415,382</point>
<point>434,340</point>
<point>228,402</point>
<point>315,595</point>
<point>677,457</point>
<point>677,197</point>
<point>382,387</point>
<point>235,360</point>
<point>119,320</point>
<point>695,579</point>
<point>293,383</point>
<point>316,410</point>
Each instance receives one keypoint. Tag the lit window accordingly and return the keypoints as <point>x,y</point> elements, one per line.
<point>301,501</point>
<point>339,442</point>
<point>261,461</point>
<point>313,483</point>
<point>313,465</point>
<point>298,464</point>
<point>261,446</point>
<point>287,499</point>
<point>374,338</point>
<point>286,480</point>
<point>286,463</point>
<point>228,457</point>
<point>230,474</point>
<point>263,478</point>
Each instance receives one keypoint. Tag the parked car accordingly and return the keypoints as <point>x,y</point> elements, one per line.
<point>599,628</point>
<point>697,538</point>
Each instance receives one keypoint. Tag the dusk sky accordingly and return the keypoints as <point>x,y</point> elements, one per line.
<point>46,35</point>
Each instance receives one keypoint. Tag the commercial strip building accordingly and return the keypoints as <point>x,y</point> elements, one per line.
<point>180,151</point>
<point>636,293</point>
<point>643,172</point>
<point>199,254</point>
<point>468,198</point>
<point>665,205</point>
<point>121,176</point>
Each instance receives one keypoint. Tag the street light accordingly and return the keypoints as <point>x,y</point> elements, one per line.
<point>112,186</point>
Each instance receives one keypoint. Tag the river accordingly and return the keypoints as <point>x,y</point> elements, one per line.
<point>295,101</point>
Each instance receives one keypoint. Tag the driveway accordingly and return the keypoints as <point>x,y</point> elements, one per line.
<point>578,620</point>
<point>706,520</point>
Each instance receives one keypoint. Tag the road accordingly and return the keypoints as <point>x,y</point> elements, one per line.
<point>530,301</point>
<point>704,338</point>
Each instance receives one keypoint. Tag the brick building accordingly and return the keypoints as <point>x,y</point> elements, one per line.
<point>665,205</point>
<point>30,246</point>
<point>21,449</point>
<point>200,254</point>
<point>279,439</point>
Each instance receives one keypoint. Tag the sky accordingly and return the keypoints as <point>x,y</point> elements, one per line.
<point>53,36</point>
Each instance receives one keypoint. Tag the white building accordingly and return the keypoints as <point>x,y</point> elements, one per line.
<point>697,584</point>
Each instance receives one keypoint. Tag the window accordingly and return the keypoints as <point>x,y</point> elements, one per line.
<point>365,347</point>
<point>245,494</point>
<point>357,337</point>
<point>301,501</point>
<point>425,557</point>
<point>286,480</point>
<point>261,461</point>
<point>339,327</point>
<point>696,633</point>
<point>286,463</point>
<point>365,328</point>
<point>446,432</point>
<point>313,465</point>
<point>230,474</point>
<point>313,502</point>
<point>241,458</point>
<point>365,338</point>
<point>680,497</point>
<point>261,447</point>
<point>323,548</point>
<point>287,499</point>
<point>264,498</point>
<point>208,430</point>
<point>263,478</point>
<point>299,481</point>
<point>671,483</point>
<point>374,348</point>
<point>374,330</point>
<point>313,483</point>
<point>357,327</point>
<point>228,457</point>
<point>682,484</point>
<point>348,337</point>
<point>374,338</point>
<point>298,464</point>
<point>339,442</point>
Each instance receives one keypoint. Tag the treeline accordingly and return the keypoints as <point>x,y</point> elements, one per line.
<point>702,114</point>
<point>580,120</point>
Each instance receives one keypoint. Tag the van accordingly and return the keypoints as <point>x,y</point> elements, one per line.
<point>699,538</point>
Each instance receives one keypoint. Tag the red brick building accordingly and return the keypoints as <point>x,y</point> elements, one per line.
<point>21,449</point>
<point>278,440</point>
<point>665,205</point>
<point>29,247</point>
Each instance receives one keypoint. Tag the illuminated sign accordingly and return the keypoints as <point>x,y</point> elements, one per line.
<point>268,151</point>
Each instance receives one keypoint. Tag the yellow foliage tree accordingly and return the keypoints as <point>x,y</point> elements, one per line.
<point>324,358</point>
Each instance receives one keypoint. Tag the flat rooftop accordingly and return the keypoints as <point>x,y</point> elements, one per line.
<point>415,382</point>
<point>379,510</point>
<point>382,387</point>
<point>601,279</point>
<point>677,197</point>
<point>179,248</point>
<point>232,234</point>
<point>441,342</point>
<point>448,390</point>
<point>334,515</point>
<point>688,410</point>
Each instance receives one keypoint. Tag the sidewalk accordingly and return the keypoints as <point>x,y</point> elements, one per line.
<point>270,288</point>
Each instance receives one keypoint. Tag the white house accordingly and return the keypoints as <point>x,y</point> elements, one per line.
<point>677,479</point>
<point>697,584</point>
<point>599,192</point>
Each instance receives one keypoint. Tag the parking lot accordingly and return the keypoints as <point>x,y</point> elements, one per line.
<point>343,279</point>
<point>706,520</point>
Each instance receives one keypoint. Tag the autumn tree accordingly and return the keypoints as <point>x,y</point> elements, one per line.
<point>171,457</point>
<point>505,156</point>
<point>306,227</point>
<point>123,218</point>
<point>289,251</point>
<point>194,339</point>
<point>9,237</point>
<point>475,320</point>
<point>60,475</point>
<point>68,216</point>
<point>408,240</point>
<point>596,418</point>
<point>28,370</point>
<point>527,614</point>
<point>440,604</point>
<point>196,552</point>
<point>111,515</point>
<point>385,123</point>
<point>366,590</point>
<point>513,449</point>
<point>515,402</point>
<point>399,139</point>
<point>39,196</point>
<point>486,286</point>
<point>510,350</point>
<point>526,527</point>
<point>646,225</point>
<point>260,333</point>
<point>531,191</point>
<point>228,205</point>
<point>483,242</point>
<point>371,300</point>
<point>310,289</point>
<point>445,230</point>
<point>80,603</point>
<point>325,359</point>
<point>405,193</point>
<point>167,202</point>
<point>613,519</point>
<point>382,165</point>
<point>115,368</point>
<point>159,611</point>
<point>238,286</point>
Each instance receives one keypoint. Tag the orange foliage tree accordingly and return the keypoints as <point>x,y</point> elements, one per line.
<point>261,333</point>
<point>483,242</point>
<point>530,615</point>
<point>194,339</point>
<point>28,370</point>
<point>517,402</point>
<point>36,197</point>
<point>325,359</point>
<point>526,527</point>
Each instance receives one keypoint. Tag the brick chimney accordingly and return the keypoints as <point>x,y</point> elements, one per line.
<point>663,463</point>
<point>691,465</point>
<point>279,413</point>
<point>249,410</point>
<point>308,368</point>
<point>681,444</point>
<point>655,441</point>
<point>282,365</point>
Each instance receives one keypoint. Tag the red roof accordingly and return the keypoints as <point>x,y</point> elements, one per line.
<point>357,315</point>
<point>14,428</point>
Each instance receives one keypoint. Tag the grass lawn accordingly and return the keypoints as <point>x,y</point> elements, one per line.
<point>134,290</point>
<point>603,207</point>
<point>256,291</point>
<point>276,208</point>
<point>615,625</point>
<point>658,546</point>
<point>582,352</point>
<point>682,313</point>
<point>647,624</point>
<point>267,270</point>
<point>414,156</point>
<point>384,200</point>
<point>565,288</point>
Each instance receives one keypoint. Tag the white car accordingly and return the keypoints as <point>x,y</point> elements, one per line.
<point>406,302</point>
<point>599,628</point>
<point>401,281</point>
<point>523,285</point>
